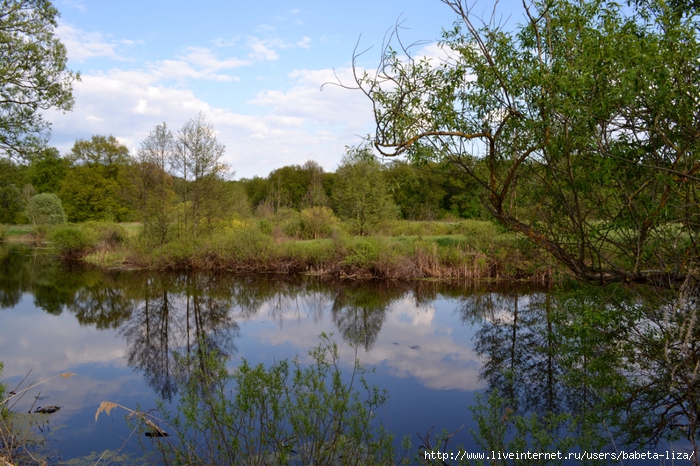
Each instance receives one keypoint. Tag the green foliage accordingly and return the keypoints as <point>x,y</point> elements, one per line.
<point>100,150</point>
<point>287,222</point>
<point>431,192</point>
<point>93,187</point>
<point>288,185</point>
<point>197,162</point>
<point>360,193</point>
<point>501,429</point>
<point>33,74</point>
<point>47,169</point>
<point>88,193</point>
<point>45,209</point>
<point>577,126</point>
<point>12,178</point>
<point>248,244</point>
<point>363,252</point>
<point>71,241</point>
<point>318,222</point>
<point>109,234</point>
<point>256,188</point>
<point>283,414</point>
<point>149,187</point>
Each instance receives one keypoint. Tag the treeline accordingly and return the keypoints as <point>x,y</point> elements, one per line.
<point>180,179</point>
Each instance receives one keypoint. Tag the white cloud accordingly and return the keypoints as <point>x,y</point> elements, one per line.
<point>275,128</point>
<point>207,60</point>
<point>221,42</point>
<point>82,45</point>
<point>304,43</point>
<point>406,344</point>
<point>261,50</point>
<point>198,63</point>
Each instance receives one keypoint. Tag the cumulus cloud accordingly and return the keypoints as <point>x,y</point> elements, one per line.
<point>82,45</point>
<point>262,50</point>
<point>406,344</point>
<point>304,43</point>
<point>281,127</point>
<point>198,63</point>
<point>276,127</point>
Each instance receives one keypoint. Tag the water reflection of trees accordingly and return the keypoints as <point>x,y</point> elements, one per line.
<point>625,358</point>
<point>174,315</point>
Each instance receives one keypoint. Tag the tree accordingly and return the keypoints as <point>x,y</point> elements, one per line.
<point>315,195</point>
<point>152,186</point>
<point>12,178</point>
<point>45,209</point>
<point>33,74</point>
<point>360,193</point>
<point>197,161</point>
<point>100,150</point>
<point>93,188</point>
<point>47,169</point>
<point>579,124</point>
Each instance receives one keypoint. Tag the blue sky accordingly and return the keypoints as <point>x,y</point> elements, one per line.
<point>253,68</point>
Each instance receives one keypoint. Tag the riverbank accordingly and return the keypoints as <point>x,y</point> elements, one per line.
<point>474,250</point>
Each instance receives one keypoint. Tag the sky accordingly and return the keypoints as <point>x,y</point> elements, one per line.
<point>255,70</point>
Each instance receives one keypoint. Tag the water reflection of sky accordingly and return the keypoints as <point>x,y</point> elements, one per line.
<point>422,345</point>
<point>422,355</point>
<point>424,342</point>
<point>43,345</point>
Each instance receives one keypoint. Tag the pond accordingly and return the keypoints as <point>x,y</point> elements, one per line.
<point>433,346</point>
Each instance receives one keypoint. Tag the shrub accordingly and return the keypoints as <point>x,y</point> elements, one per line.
<point>71,241</point>
<point>284,414</point>
<point>45,209</point>
<point>363,253</point>
<point>318,222</point>
<point>111,234</point>
<point>288,222</point>
<point>248,244</point>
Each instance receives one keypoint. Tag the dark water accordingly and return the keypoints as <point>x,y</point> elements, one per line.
<point>433,346</point>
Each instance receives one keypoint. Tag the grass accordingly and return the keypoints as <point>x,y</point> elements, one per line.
<point>400,250</point>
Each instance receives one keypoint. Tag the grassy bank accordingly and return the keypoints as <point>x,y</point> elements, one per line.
<point>400,250</point>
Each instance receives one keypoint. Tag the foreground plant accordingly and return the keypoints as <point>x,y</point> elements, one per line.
<point>19,443</point>
<point>284,414</point>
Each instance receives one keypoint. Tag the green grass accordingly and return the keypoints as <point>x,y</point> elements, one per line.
<point>18,230</point>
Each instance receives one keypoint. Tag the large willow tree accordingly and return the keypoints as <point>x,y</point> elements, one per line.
<point>581,123</point>
<point>33,74</point>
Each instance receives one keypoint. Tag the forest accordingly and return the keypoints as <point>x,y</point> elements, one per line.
<point>560,150</point>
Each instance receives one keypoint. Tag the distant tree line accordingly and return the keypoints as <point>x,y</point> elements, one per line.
<point>180,179</point>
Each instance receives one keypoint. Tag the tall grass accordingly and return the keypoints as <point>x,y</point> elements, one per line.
<point>481,253</point>
<point>470,249</point>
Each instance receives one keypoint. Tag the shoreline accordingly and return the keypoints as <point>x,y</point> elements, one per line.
<point>476,252</point>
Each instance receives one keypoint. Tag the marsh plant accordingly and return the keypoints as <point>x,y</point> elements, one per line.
<point>286,413</point>
<point>19,441</point>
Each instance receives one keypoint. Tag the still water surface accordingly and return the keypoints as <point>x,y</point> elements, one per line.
<point>433,345</point>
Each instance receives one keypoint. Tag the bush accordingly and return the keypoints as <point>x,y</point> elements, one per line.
<point>71,241</point>
<point>284,414</point>
<point>108,233</point>
<point>363,253</point>
<point>288,222</point>
<point>318,222</point>
<point>45,209</point>
<point>247,244</point>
